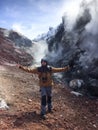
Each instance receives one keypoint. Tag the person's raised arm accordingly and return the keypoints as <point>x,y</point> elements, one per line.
<point>55,70</point>
<point>27,69</point>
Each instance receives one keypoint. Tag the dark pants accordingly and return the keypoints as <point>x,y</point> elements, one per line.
<point>46,96</point>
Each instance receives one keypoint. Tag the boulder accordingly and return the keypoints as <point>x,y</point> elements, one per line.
<point>76,84</point>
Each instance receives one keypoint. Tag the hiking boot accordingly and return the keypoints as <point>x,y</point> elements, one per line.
<point>50,111</point>
<point>43,117</point>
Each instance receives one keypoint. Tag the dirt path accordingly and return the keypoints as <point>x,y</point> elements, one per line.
<point>21,92</point>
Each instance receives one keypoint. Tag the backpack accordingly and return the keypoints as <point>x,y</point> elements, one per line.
<point>44,70</point>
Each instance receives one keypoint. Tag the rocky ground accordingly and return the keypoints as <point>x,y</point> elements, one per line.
<point>21,92</point>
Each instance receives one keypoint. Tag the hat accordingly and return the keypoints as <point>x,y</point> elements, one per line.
<point>44,60</point>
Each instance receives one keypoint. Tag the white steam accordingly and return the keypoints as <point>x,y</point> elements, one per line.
<point>55,54</point>
<point>39,50</point>
<point>90,42</point>
<point>93,25</point>
<point>71,9</point>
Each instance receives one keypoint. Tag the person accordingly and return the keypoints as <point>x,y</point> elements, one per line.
<point>45,82</point>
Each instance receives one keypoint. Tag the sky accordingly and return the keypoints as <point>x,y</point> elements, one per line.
<point>34,17</point>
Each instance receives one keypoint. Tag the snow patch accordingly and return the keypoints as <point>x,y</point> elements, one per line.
<point>3,104</point>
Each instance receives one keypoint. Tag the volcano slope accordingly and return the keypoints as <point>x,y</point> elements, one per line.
<point>21,92</point>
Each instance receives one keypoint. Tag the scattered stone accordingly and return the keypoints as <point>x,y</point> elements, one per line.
<point>94,125</point>
<point>85,117</point>
<point>29,100</point>
<point>76,93</point>
<point>61,115</point>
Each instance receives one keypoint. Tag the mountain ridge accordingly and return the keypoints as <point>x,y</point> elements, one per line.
<point>9,53</point>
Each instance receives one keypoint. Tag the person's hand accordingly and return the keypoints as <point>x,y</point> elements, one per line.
<point>71,64</point>
<point>68,67</point>
<point>19,66</point>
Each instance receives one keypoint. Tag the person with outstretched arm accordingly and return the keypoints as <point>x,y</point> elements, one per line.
<point>45,82</point>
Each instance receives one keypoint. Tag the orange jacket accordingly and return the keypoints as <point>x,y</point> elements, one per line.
<point>45,78</point>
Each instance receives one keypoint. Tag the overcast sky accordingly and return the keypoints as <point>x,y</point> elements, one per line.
<point>33,17</point>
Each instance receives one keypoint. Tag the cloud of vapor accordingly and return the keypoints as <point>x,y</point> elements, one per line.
<point>70,10</point>
<point>73,9</point>
<point>38,51</point>
<point>17,27</point>
<point>90,38</point>
<point>93,25</point>
<point>55,54</point>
